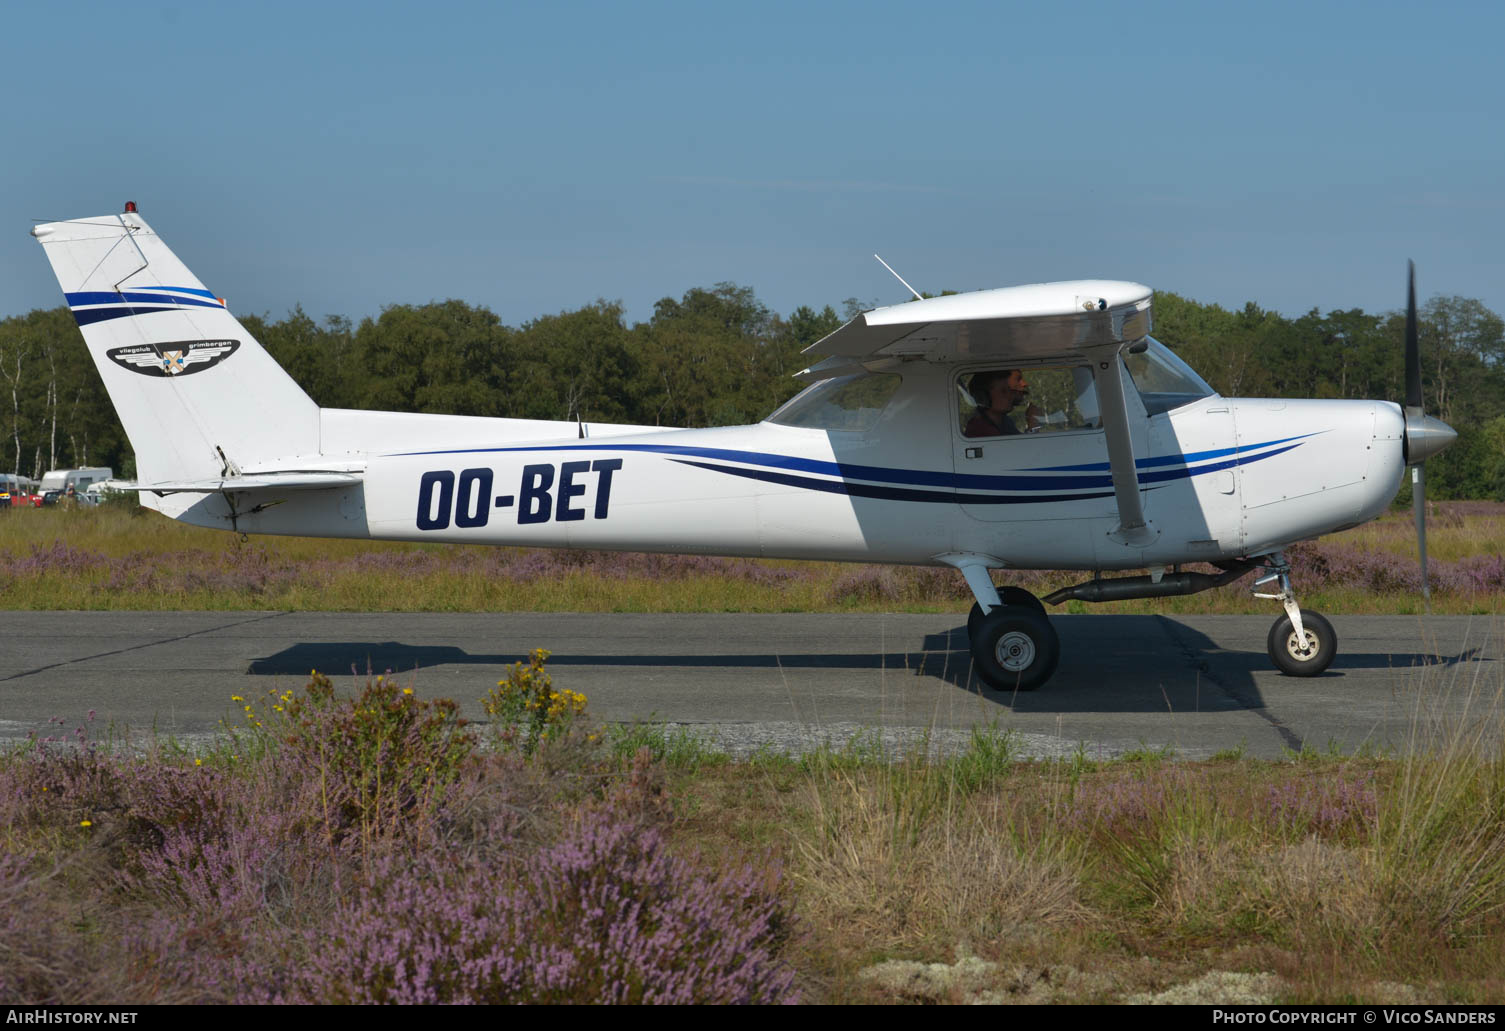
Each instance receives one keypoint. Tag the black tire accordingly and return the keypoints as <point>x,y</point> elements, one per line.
<point>1009,596</point>
<point>1287,653</point>
<point>1015,648</point>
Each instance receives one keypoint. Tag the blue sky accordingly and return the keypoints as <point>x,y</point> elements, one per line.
<point>533,158</point>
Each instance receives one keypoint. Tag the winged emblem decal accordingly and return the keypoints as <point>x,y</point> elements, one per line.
<point>178,358</point>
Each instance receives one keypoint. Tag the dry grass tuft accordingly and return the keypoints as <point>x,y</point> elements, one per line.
<point>1323,892</point>
<point>894,860</point>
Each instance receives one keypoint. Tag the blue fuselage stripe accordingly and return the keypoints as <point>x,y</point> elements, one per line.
<point>919,477</point>
<point>868,490</point>
<point>1195,456</point>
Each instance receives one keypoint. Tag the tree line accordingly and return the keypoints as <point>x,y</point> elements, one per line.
<point>718,356</point>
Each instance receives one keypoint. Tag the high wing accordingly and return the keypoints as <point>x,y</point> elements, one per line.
<point>1084,321</point>
<point>1046,322</point>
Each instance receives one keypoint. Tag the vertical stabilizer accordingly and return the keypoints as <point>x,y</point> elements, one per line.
<point>194,391</point>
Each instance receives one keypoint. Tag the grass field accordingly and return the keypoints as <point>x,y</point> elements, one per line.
<point>119,556</point>
<point>365,846</point>
<point>369,848</point>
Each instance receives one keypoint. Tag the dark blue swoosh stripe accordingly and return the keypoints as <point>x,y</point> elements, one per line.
<point>1237,460</point>
<point>774,461</point>
<point>918,477</point>
<point>866,490</point>
<point>1147,463</point>
<point>960,498</point>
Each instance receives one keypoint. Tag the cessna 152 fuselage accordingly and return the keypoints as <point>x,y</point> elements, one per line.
<point>1124,458</point>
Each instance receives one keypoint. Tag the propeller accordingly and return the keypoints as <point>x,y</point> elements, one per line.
<point>1425,436</point>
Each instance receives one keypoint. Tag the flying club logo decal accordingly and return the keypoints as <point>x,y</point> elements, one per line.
<point>178,358</point>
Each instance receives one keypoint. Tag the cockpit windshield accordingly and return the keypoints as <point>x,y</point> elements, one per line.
<point>1164,381</point>
<point>851,403</point>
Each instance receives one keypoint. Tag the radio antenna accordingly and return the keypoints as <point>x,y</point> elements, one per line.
<point>900,278</point>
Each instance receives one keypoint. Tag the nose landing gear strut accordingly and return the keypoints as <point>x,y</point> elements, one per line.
<point>1302,642</point>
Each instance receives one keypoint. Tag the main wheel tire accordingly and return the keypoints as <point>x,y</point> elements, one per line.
<point>1009,596</point>
<point>1015,648</point>
<point>1286,651</point>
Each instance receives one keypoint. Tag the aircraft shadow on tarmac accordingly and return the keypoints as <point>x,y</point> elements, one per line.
<point>1108,664</point>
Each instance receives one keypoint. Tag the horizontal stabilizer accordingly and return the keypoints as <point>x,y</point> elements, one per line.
<point>254,482</point>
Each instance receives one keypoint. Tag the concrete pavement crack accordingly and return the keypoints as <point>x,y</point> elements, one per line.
<point>144,644</point>
<point>1253,704</point>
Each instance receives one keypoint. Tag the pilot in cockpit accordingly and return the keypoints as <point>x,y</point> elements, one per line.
<point>996,392</point>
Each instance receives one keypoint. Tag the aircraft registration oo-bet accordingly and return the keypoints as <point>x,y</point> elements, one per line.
<point>902,450</point>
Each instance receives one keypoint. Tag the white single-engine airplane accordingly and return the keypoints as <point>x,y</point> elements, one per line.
<point>901,450</point>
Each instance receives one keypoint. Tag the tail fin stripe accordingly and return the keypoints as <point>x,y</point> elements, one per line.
<point>110,297</point>
<point>89,316</point>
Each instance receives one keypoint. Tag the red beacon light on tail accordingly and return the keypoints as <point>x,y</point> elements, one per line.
<point>130,207</point>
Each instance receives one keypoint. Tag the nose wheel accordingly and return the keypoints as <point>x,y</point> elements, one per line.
<point>1296,658</point>
<point>1302,643</point>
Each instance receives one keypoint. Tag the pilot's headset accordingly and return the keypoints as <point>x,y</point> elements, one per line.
<point>981,384</point>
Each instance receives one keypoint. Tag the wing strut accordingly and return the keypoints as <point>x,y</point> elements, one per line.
<point>1133,529</point>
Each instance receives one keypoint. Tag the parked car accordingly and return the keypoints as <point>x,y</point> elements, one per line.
<point>15,490</point>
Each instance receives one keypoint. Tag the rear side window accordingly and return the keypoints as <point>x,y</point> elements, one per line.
<point>851,403</point>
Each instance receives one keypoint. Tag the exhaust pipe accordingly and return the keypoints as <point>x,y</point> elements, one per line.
<point>1123,588</point>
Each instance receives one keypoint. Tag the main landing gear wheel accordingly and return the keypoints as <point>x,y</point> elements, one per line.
<point>1288,654</point>
<point>1009,596</point>
<point>1014,648</point>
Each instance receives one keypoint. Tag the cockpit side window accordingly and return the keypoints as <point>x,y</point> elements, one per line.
<point>1005,402</point>
<point>851,403</point>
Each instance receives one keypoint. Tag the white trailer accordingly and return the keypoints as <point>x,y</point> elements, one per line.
<point>78,479</point>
